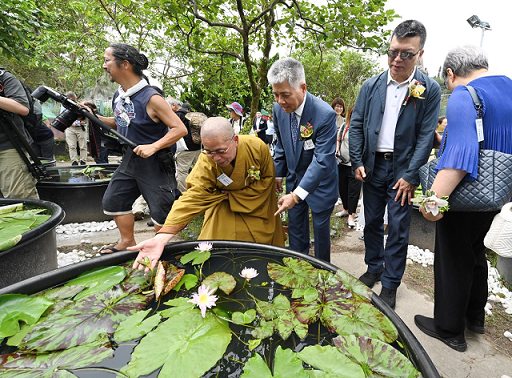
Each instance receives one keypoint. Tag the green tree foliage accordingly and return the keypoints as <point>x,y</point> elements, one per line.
<point>336,73</point>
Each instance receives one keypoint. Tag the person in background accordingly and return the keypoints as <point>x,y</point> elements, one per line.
<point>175,104</point>
<point>269,132</point>
<point>236,205</point>
<point>143,116</point>
<point>236,117</point>
<point>76,136</point>
<point>338,104</point>
<point>391,136</point>
<point>442,122</point>
<point>460,264</point>
<point>15,179</point>
<point>44,142</point>
<point>349,187</point>
<point>97,138</point>
<point>306,142</point>
<point>260,127</point>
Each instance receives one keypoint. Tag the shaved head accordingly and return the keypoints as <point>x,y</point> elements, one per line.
<point>217,127</point>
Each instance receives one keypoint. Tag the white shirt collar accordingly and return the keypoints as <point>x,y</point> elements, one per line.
<point>300,109</point>
<point>390,79</point>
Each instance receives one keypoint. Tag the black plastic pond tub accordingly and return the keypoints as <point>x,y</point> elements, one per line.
<point>415,351</point>
<point>36,252</point>
<point>80,200</point>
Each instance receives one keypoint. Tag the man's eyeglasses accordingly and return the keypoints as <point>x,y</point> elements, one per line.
<point>217,152</point>
<point>404,55</point>
<point>106,60</point>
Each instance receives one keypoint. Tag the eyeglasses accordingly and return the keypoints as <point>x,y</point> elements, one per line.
<point>106,60</point>
<point>217,152</point>
<point>404,55</point>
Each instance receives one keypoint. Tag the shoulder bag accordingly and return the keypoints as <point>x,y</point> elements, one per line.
<point>493,187</point>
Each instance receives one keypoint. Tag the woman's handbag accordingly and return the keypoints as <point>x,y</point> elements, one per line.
<point>499,236</point>
<point>493,187</point>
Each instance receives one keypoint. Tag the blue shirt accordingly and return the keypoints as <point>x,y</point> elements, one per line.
<point>461,151</point>
<point>141,129</point>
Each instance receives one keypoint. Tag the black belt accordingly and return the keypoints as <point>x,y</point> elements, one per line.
<point>385,155</point>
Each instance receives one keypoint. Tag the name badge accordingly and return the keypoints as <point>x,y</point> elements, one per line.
<point>125,118</point>
<point>479,129</point>
<point>309,145</point>
<point>224,180</point>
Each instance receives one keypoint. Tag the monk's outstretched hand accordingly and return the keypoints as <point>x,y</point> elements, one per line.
<point>151,248</point>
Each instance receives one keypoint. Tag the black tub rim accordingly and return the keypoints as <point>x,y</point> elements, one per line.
<point>419,356</point>
<point>55,219</point>
<point>75,185</point>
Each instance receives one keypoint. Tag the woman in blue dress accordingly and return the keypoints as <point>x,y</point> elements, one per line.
<point>460,265</point>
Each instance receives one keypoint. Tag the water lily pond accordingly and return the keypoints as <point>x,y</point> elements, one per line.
<point>219,313</point>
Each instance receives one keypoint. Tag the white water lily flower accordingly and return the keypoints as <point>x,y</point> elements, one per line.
<point>204,299</point>
<point>204,246</point>
<point>249,273</point>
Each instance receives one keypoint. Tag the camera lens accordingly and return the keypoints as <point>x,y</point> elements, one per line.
<point>64,120</point>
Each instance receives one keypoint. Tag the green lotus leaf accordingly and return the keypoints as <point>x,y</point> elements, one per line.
<point>309,294</point>
<point>377,359</point>
<point>283,316</point>
<point>266,329</point>
<point>295,274</point>
<point>82,323</point>
<point>189,280</point>
<point>98,280</point>
<point>54,365</point>
<point>14,223</point>
<point>360,319</point>
<point>244,317</point>
<point>330,362</point>
<point>16,308</point>
<point>265,309</point>
<point>60,293</point>
<point>196,256</point>
<point>358,289</point>
<point>135,326</point>
<point>286,365</point>
<point>9,242</point>
<point>178,305</point>
<point>220,280</point>
<point>253,344</point>
<point>187,343</point>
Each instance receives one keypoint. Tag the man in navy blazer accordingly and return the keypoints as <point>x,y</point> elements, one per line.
<point>391,135</point>
<point>260,126</point>
<point>305,127</point>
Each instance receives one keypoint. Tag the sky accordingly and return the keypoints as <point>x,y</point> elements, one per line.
<point>445,21</point>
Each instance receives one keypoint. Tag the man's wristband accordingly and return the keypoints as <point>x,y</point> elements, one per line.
<point>295,198</point>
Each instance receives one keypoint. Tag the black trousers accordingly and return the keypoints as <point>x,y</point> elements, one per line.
<point>349,188</point>
<point>460,271</point>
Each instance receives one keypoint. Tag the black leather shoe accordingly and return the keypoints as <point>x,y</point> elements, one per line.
<point>426,325</point>
<point>369,279</point>
<point>388,296</point>
<point>475,328</point>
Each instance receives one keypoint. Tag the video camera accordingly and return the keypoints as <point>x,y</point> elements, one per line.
<point>73,112</point>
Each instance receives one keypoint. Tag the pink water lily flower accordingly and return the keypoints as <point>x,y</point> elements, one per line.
<point>204,298</point>
<point>204,247</point>
<point>249,273</point>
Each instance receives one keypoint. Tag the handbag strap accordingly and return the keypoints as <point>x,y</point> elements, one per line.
<point>478,107</point>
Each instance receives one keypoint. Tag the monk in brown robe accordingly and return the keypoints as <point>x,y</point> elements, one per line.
<point>233,184</point>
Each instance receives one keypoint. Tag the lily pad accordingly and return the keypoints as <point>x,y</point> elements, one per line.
<point>196,256</point>
<point>331,362</point>
<point>54,365</point>
<point>189,280</point>
<point>358,289</point>
<point>186,343</point>
<point>377,359</point>
<point>135,326</point>
<point>220,280</point>
<point>60,293</point>
<point>98,280</point>
<point>286,365</point>
<point>82,323</point>
<point>178,305</point>
<point>167,277</point>
<point>295,274</point>
<point>244,317</point>
<point>16,308</point>
<point>266,329</point>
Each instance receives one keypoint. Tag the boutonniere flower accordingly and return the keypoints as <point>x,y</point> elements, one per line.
<point>306,131</point>
<point>432,204</point>
<point>252,175</point>
<point>416,89</point>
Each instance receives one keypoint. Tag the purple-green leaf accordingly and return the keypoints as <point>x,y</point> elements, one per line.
<point>295,274</point>
<point>82,323</point>
<point>331,362</point>
<point>98,280</point>
<point>377,359</point>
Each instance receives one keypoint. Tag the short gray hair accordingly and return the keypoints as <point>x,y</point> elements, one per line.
<point>287,69</point>
<point>464,60</point>
<point>172,100</point>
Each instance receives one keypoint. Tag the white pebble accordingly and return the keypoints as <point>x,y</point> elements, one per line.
<point>508,335</point>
